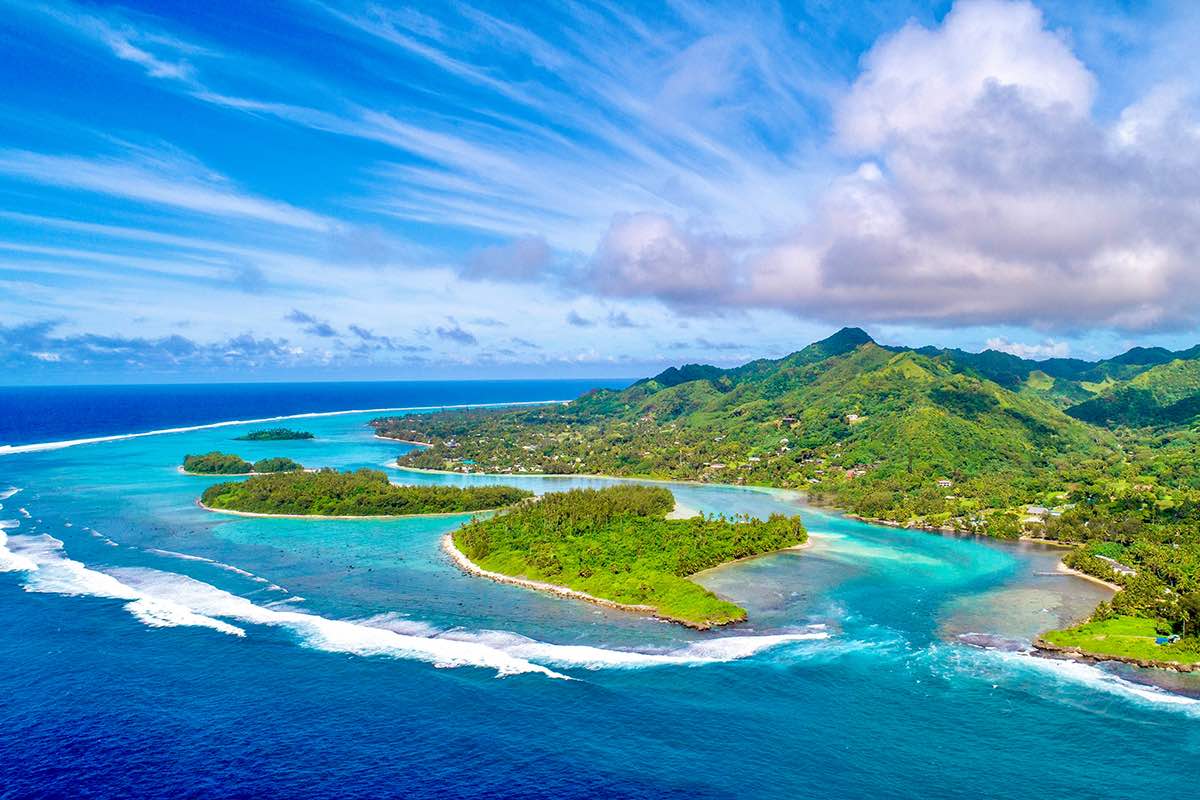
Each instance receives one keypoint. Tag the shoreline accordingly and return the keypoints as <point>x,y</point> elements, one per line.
<point>468,566</point>
<point>343,516</point>
<point>183,471</point>
<point>796,548</point>
<point>1045,649</point>
<point>37,447</point>
<point>1065,570</point>
<point>799,493</point>
<point>405,441</point>
<point>471,568</point>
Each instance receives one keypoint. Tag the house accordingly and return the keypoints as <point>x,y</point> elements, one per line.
<point>852,418</point>
<point>856,472</point>
<point>945,483</point>
<point>788,421</point>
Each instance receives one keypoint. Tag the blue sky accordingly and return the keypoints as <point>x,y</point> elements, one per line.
<point>195,191</point>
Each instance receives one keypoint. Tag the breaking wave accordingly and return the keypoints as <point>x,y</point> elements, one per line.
<point>12,449</point>
<point>1005,665</point>
<point>158,598</point>
<point>49,571</point>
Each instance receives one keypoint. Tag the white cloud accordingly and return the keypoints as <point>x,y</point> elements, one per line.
<point>155,178</point>
<point>918,80</point>
<point>1046,349</point>
<point>990,195</point>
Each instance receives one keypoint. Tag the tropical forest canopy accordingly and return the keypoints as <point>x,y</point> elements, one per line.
<point>617,544</point>
<point>274,435</point>
<point>217,463</point>
<point>364,492</point>
<point>1104,454</point>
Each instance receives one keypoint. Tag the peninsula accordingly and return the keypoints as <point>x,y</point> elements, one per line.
<point>362,493</point>
<point>1098,456</point>
<point>616,546</point>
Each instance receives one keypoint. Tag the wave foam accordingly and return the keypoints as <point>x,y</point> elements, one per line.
<point>49,571</point>
<point>13,562</point>
<point>159,599</point>
<point>713,651</point>
<point>218,565</point>
<point>12,449</point>
<point>339,636</point>
<point>1098,679</point>
<point>9,524</point>
<point>9,492</point>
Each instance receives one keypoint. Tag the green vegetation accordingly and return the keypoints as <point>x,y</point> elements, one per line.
<point>274,435</point>
<point>1103,455</point>
<point>617,544</point>
<point>1164,395</point>
<point>365,492</point>
<point>217,463</point>
<point>277,465</point>
<point>1126,637</point>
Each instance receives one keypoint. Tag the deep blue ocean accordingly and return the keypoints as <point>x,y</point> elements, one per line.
<point>150,648</point>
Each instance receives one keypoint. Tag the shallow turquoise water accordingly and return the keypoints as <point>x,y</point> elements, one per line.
<point>156,649</point>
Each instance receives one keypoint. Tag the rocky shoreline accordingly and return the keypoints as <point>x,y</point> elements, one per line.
<point>1049,650</point>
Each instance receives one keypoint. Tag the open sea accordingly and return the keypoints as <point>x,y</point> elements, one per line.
<point>149,648</point>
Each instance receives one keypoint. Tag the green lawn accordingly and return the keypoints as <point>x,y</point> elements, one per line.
<point>1128,637</point>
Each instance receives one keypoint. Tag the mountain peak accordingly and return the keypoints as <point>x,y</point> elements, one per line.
<point>845,340</point>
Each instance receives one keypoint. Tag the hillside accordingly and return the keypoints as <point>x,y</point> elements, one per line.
<point>939,439</point>
<point>1164,395</point>
<point>882,431</point>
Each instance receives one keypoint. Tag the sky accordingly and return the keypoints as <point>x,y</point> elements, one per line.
<point>318,189</point>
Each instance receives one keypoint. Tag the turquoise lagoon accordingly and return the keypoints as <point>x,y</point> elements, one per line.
<point>154,649</point>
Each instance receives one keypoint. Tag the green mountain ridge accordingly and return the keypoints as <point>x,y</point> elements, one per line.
<point>1091,391</point>
<point>1096,455</point>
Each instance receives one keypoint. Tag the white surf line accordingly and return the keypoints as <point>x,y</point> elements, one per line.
<point>1095,678</point>
<point>49,571</point>
<point>219,565</point>
<point>159,599</point>
<point>12,449</point>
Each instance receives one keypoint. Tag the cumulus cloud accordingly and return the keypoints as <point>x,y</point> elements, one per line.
<point>310,324</point>
<point>455,333</point>
<point>578,320</point>
<point>1046,349</point>
<point>988,192</point>
<point>702,344</point>
<point>916,79</point>
<point>653,254</point>
<point>525,259</point>
<point>38,343</point>
<point>621,319</point>
<point>368,341</point>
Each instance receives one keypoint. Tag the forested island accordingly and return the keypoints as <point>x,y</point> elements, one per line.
<point>1102,456</point>
<point>362,493</point>
<point>616,544</point>
<point>274,435</point>
<point>218,463</point>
